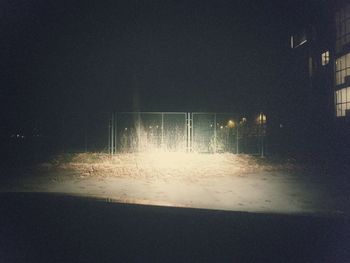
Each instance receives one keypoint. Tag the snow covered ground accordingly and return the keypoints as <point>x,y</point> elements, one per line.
<point>210,181</point>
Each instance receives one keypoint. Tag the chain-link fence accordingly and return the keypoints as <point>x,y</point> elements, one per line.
<point>148,131</point>
<point>165,131</point>
<point>226,132</point>
<point>108,132</point>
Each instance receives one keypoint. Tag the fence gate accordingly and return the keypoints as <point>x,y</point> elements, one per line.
<point>181,131</point>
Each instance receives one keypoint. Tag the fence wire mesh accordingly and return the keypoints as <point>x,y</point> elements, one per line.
<point>163,131</point>
<point>146,131</point>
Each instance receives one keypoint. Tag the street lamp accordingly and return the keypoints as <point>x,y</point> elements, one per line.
<point>261,120</point>
<point>231,124</point>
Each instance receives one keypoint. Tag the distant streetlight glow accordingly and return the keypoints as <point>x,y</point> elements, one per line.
<point>231,124</point>
<point>261,119</point>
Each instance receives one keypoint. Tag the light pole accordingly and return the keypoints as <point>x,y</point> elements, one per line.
<point>261,120</point>
<point>231,124</point>
<point>242,132</point>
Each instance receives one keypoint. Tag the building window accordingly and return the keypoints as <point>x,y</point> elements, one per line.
<point>342,22</point>
<point>325,58</point>
<point>342,102</point>
<point>342,69</point>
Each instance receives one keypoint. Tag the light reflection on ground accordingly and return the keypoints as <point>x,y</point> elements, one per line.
<point>220,181</point>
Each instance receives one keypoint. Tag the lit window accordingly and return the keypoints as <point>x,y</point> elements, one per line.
<point>325,58</point>
<point>342,102</point>
<point>342,69</point>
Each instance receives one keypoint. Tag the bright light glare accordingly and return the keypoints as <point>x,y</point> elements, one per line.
<point>231,124</point>
<point>165,162</point>
<point>212,181</point>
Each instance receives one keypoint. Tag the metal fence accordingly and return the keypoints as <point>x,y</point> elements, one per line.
<point>226,132</point>
<point>181,131</point>
<point>148,131</point>
<point>163,131</point>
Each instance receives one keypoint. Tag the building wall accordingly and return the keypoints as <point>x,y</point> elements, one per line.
<point>342,60</point>
<point>326,61</point>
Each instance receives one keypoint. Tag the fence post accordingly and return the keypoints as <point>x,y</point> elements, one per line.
<point>262,140</point>
<point>237,138</point>
<point>162,141</point>
<point>188,131</point>
<point>215,133</point>
<point>192,131</point>
<point>112,134</point>
<point>109,136</point>
<point>139,131</point>
<point>116,131</point>
<point>85,133</point>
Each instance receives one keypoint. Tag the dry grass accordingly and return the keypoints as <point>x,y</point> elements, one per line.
<point>161,165</point>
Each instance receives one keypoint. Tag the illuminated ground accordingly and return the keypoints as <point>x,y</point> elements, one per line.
<point>220,181</point>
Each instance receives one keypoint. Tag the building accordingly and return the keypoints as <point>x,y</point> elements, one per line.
<point>323,46</point>
<point>342,61</point>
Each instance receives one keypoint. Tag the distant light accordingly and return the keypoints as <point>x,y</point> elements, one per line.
<point>325,58</point>
<point>231,124</point>
<point>221,127</point>
<point>150,127</point>
<point>125,129</point>
<point>261,118</point>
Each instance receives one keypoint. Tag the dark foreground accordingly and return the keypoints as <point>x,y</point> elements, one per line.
<point>56,228</point>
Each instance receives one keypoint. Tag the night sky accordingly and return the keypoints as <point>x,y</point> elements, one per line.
<point>89,56</point>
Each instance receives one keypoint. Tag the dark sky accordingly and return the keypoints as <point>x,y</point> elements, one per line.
<point>183,55</point>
